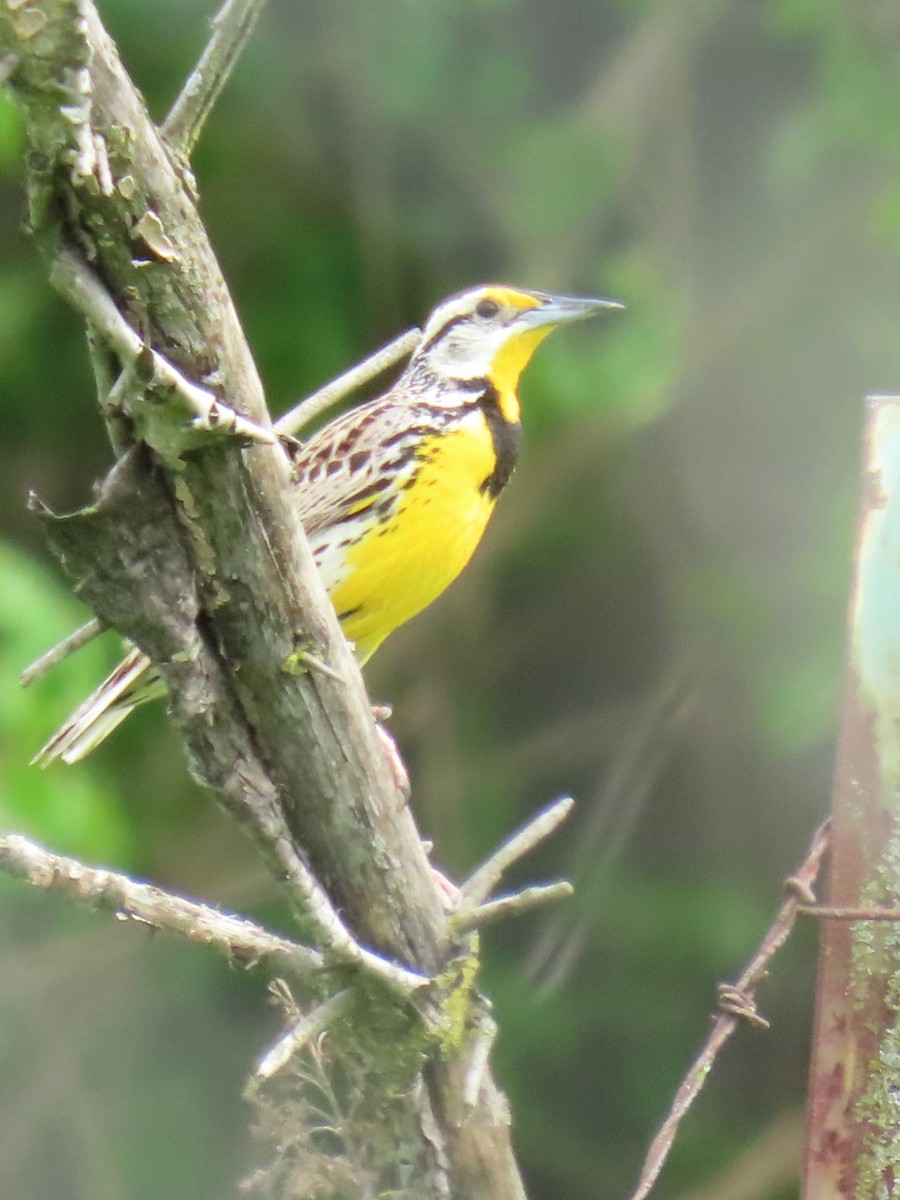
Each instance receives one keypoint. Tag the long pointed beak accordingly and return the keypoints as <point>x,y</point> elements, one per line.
<point>553,310</point>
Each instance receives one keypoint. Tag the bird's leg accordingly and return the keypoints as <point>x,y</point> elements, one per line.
<point>448,891</point>
<point>399,773</point>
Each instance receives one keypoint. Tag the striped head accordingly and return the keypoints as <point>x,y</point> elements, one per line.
<point>490,333</point>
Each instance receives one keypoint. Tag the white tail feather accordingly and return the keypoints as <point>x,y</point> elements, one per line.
<point>130,684</point>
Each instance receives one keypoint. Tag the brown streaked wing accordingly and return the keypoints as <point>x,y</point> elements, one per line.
<point>351,460</point>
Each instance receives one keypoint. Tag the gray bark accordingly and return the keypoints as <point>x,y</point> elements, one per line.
<point>200,559</point>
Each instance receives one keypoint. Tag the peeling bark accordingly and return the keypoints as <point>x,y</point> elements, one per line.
<point>200,559</point>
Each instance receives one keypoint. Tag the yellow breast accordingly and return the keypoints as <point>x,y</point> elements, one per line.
<point>399,566</point>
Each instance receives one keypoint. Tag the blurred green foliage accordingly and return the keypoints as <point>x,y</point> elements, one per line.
<point>654,623</point>
<point>75,811</point>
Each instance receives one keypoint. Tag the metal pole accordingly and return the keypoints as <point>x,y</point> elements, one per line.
<point>853,1134</point>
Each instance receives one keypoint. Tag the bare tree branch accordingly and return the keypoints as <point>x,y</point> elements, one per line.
<point>231,514</point>
<point>514,905</point>
<point>204,566</point>
<point>302,1032</point>
<point>70,275</point>
<point>480,885</point>
<point>131,900</point>
<point>232,26</point>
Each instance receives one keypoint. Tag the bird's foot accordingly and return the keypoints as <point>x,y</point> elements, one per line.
<point>396,765</point>
<point>449,893</point>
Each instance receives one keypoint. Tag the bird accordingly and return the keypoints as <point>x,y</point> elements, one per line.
<point>395,494</point>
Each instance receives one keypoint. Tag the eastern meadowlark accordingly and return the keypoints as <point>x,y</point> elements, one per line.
<point>394,495</point>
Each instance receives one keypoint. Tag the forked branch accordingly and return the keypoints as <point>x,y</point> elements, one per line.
<point>203,562</point>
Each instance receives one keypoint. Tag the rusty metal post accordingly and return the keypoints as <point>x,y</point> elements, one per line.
<point>853,1134</point>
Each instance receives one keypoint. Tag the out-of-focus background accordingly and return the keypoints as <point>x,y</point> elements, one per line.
<point>654,623</point>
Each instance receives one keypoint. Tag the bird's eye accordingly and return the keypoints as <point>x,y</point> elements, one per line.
<point>487,309</point>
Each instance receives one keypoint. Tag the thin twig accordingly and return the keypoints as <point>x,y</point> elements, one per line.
<point>333,933</point>
<point>232,26</point>
<point>109,380</point>
<point>75,640</point>
<point>480,885</point>
<point>305,659</point>
<point>514,905</point>
<point>85,291</point>
<point>300,1034</point>
<point>482,1041</point>
<point>131,900</point>
<point>307,410</point>
<point>725,1024</point>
